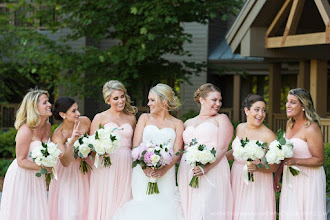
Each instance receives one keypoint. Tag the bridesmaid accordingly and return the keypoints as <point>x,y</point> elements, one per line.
<point>306,198</point>
<point>68,196</point>
<point>24,195</point>
<point>257,199</point>
<point>213,199</point>
<point>110,188</point>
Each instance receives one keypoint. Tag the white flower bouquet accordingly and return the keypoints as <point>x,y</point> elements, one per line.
<point>198,155</point>
<point>82,149</point>
<point>154,156</point>
<point>249,150</point>
<point>104,141</point>
<point>280,149</point>
<point>46,155</point>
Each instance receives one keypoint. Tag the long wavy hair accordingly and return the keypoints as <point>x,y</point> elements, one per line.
<point>113,85</point>
<point>28,111</point>
<point>306,102</point>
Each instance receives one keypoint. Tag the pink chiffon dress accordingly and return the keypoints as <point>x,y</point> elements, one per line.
<point>110,188</point>
<point>213,199</point>
<point>255,201</point>
<point>69,194</point>
<point>24,195</point>
<point>303,196</point>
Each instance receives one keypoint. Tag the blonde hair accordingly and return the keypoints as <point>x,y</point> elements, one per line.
<point>113,85</point>
<point>167,96</point>
<point>306,102</point>
<point>28,111</point>
<point>204,90</point>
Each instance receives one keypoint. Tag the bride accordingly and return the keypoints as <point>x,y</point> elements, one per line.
<point>157,127</point>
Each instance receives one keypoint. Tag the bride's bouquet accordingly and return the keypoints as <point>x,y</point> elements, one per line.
<point>198,155</point>
<point>249,150</point>
<point>46,155</point>
<point>154,156</point>
<point>104,141</point>
<point>280,149</point>
<point>82,149</point>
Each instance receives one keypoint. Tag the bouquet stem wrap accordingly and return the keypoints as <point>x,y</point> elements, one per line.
<point>152,186</point>
<point>294,171</point>
<point>246,175</point>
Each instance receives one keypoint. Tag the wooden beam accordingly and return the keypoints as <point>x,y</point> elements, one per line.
<point>303,75</point>
<point>318,85</point>
<point>297,40</point>
<point>236,98</point>
<point>324,9</point>
<point>294,17</point>
<point>281,15</point>
<point>246,24</point>
<point>274,91</point>
<point>240,19</point>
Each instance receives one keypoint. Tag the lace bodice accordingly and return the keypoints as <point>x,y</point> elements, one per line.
<point>155,135</point>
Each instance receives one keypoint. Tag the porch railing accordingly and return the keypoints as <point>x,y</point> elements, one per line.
<point>279,121</point>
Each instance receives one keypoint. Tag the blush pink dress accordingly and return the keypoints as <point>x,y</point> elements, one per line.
<point>255,201</point>
<point>213,199</point>
<point>24,195</point>
<point>110,188</point>
<point>69,194</point>
<point>306,199</point>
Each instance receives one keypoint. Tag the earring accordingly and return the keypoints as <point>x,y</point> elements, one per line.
<point>303,109</point>
<point>64,117</point>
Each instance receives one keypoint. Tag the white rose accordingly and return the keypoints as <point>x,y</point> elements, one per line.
<point>205,156</point>
<point>155,159</point>
<point>84,150</point>
<point>38,161</point>
<point>36,152</point>
<point>287,151</point>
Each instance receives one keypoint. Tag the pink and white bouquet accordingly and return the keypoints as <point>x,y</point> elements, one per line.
<point>46,155</point>
<point>105,141</point>
<point>249,150</point>
<point>82,149</point>
<point>154,156</point>
<point>198,155</point>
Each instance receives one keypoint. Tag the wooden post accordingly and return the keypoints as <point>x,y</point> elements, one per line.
<point>236,95</point>
<point>318,85</point>
<point>274,91</point>
<point>303,75</point>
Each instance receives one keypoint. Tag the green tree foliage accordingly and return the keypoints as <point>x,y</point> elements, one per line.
<point>145,32</point>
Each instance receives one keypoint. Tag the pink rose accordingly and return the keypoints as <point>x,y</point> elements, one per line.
<point>147,158</point>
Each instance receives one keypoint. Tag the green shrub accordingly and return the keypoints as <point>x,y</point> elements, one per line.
<point>4,164</point>
<point>7,143</point>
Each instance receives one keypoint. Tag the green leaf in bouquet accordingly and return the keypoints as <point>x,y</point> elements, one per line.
<point>244,142</point>
<point>43,171</point>
<point>279,134</point>
<point>266,163</point>
<point>85,135</point>
<point>75,155</point>
<point>143,165</point>
<point>80,155</point>
<point>44,144</point>
<point>282,141</point>
<point>193,142</point>
<point>213,151</point>
<point>38,174</point>
<point>135,163</point>
<point>100,126</point>
<point>96,135</point>
<point>113,137</point>
<point>30,154</point>
<point>91,146</point>
<point>201,147</point>
<point>260,165</point>
<point>81,140</point>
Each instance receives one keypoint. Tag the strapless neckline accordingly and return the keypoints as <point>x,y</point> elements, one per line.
<point>118,126</point>
<point>203,123</point>
<point>159,129</point>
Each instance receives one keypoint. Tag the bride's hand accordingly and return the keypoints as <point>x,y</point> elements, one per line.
<point>147,171</point>
<point>159,172</point>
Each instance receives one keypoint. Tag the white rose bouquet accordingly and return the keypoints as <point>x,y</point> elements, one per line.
<point>198,155</point>
<point>249,150</point>
<point>104,141</point>
<point>46,155</point>
<point>82,149</point>
<point>154,156</point>
<point>280,149</point>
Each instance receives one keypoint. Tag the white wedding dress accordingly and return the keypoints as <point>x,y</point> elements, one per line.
<point>162,206</point>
